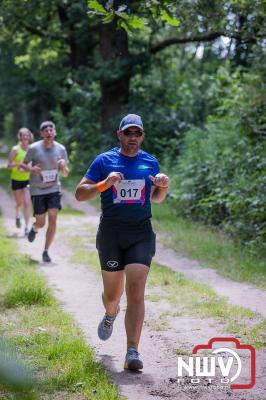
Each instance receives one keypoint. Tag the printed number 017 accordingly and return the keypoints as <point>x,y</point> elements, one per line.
<point>124,192</point>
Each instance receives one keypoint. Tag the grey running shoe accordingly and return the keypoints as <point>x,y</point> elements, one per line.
<point>133,360</point>
<point>46,257</point>
<point>18,222</point>
<point>26,231</point>
<point>105,327</point>
<point>31,235</point>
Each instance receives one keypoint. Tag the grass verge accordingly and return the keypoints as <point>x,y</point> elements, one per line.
<point>50,344</point>
<point>5,179</point>
<point>212,248</point>
<point>71,211</point>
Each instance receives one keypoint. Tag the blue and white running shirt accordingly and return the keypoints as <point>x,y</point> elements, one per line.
<point>129,200</point>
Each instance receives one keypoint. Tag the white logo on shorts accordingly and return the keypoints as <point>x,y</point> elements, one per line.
<point>112,264</point>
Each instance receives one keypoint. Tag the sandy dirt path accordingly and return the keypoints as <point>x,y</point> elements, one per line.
<point>78,288</point>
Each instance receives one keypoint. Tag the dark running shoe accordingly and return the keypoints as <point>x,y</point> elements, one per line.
<point>133,360</point>
<point>105,327</point>
<point>32,235</point>
<point>18,222</point>
<point>46,257</point>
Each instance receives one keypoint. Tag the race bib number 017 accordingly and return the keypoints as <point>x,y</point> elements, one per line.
<point>49,176</point>
<point>129,191</point>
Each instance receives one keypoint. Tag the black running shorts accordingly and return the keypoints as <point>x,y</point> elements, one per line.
<point>18,185</point>
<point>119,245</point>
<point>41,203</point>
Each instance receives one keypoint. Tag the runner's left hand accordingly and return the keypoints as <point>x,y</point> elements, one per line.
<point>61,163</point>
<point>160,180</point>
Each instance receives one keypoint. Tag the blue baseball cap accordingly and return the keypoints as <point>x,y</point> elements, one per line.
<point>131,120</point>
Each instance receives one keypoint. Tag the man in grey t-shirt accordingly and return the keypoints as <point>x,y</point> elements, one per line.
<point>44,159</point>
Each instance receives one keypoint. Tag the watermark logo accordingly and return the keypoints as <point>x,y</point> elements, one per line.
<point>226,359</point>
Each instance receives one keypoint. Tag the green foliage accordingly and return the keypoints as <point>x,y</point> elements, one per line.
<point>220,177</point>
<point>221,180</point>
<point>241,95</point>
<point>96,6</point>
<point>169,19</point>
<point>80,130</point>
<point>8,127</point>
<point>172,103</point>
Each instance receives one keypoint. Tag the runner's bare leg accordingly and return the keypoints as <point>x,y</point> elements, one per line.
<point>136,276</point>
<point>26,206</point>
<point>19,200</point>
<point>52,217</point>
<point>113,288</point>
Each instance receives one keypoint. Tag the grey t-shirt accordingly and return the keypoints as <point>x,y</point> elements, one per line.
<point>48,181</point>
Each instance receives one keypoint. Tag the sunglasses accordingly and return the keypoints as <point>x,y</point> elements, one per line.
<point>137,133</point>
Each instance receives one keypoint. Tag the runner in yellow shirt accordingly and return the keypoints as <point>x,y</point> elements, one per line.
<point>20,178</point>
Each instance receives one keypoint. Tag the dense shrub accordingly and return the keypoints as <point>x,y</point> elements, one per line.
<point>221,180</point>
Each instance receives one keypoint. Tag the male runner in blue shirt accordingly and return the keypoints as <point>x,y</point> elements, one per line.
<point>127,178</point>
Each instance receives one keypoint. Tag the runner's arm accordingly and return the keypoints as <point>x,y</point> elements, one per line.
<point>28,162</point>
<point>160,188</point>
<point>62,164</point>
<point>11,156</point>
<point>88,189</point>
<point>27,166</point>
<point>158,194</point>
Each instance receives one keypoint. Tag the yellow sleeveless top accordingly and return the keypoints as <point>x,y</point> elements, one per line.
<point>18,174</point>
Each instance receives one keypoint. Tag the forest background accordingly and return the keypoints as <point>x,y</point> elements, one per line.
<point>194,70</point>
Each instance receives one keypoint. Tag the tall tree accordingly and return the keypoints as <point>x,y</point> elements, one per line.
<point>175,24</point>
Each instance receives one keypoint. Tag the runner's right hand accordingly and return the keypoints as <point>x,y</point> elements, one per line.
<point>112,178</point>
<point>36,169</point>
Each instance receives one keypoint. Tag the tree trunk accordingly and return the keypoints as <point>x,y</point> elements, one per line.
<point>242,48</point>
<point>79,39</point>
<point>115,77</point>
